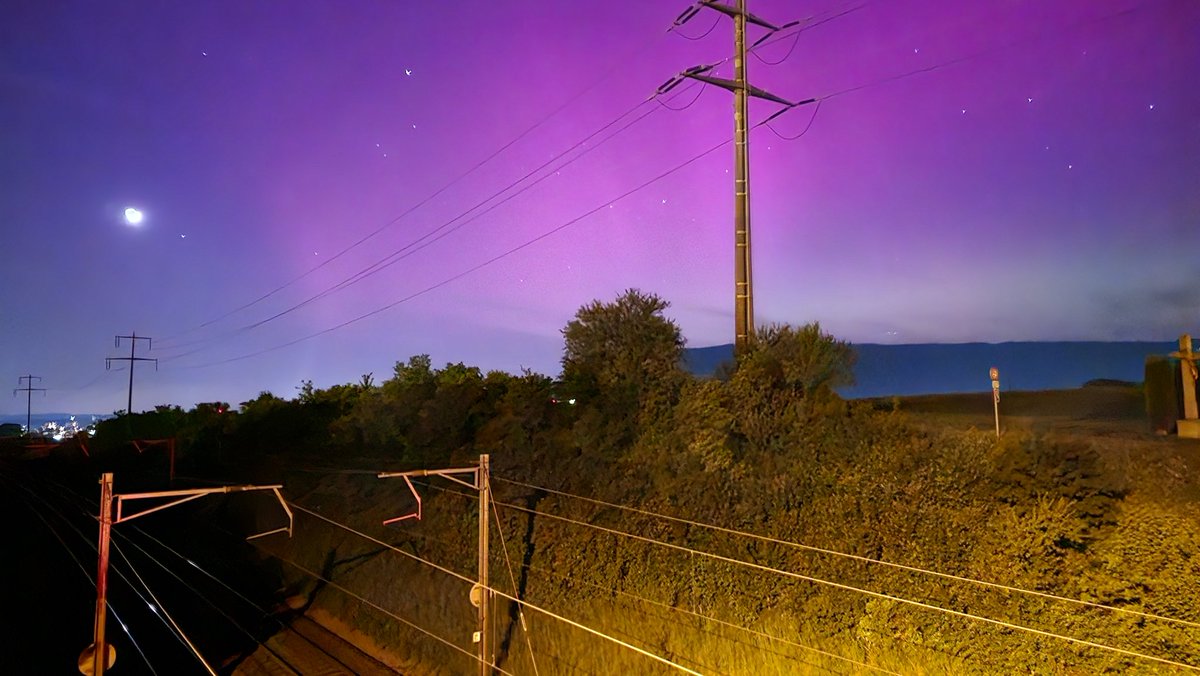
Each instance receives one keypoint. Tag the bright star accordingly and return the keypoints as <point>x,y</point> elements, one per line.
<point>133,216</point>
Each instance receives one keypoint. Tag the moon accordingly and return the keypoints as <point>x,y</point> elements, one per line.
<point>133,216</point>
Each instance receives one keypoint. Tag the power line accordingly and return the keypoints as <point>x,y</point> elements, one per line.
<point>263,613</point>
<point>445,228</point>
<point>805,24</point>
<point>155,606</point>
<point>477,267</point>
<point>493,590</point>
<point>660,604</point>
<point>855,557</point>
<point>615,65</point>
<point>412,247</point>
<point>376,606</point>
<point>512,578</point>
<point>394,257</point>
<point>699,93</point>
<point>811,119</point>
<point>91,580</point>
<point>206,599</point>
<point>450,226</point>
<point>992,50</point>
<point>241,596</point>
<point>158,604</point>
<point>597,632</point>
<point>868,592</point>
<point>530,242</point>
<point>685,36</point>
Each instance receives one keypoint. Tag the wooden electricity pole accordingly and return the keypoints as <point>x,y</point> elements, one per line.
<point>743,285</point>
<point>481,593</point>
<point>133,339</point>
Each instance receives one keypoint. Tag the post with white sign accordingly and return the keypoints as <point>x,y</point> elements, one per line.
<point>994,374</point>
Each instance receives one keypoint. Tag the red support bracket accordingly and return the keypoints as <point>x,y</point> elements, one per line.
<point>415,515</point>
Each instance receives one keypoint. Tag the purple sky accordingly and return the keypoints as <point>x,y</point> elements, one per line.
<point>1038,182</point>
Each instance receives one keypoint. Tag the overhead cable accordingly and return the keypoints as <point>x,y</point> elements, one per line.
<point>614,66</point>
<point>855,557</point>
<point>868,592</point>
<point>474,268</point>
<point>678,609</point>
<point>497,592</point>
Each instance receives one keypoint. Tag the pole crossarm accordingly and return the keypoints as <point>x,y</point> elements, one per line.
<point>733,86</point>
<point>28,381</point>
<point>444,473</point>
<point>133,339</point>
<point>189,494</point>
<point>733,11</point>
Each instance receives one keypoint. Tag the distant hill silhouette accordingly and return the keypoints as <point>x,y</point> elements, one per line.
<point>933,368</point>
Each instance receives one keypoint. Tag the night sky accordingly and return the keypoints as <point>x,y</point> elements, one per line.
<point>978,171</point>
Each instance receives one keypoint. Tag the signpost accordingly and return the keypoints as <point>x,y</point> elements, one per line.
<point>994,374</point>
<point>1188,424</point>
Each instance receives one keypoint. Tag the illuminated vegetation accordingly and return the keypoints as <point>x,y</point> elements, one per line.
<point>770,450</point>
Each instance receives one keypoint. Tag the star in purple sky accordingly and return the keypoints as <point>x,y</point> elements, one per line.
<point>986,171</point>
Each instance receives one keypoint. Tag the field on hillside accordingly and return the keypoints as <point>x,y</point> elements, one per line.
<point>1101,410</point>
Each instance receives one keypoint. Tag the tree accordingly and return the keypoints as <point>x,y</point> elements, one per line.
<point>804,359</point>
<point>622,364</point>
<point>626,345</point>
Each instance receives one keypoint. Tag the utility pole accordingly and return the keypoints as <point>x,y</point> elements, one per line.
<point>100,653</point>
<point>743,294</point>
<point>485,498</point>
<point>29,389</point>
<point>133,339</point>
<point>481,593</point>
<point>100,647</point>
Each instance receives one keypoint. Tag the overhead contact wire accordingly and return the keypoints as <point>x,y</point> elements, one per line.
<point>497,592</point>
<point>868,592</point>
<point>855,557</point>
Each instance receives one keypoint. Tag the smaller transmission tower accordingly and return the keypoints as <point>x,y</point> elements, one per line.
<point>133,339</point>
<point>29,389</point>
